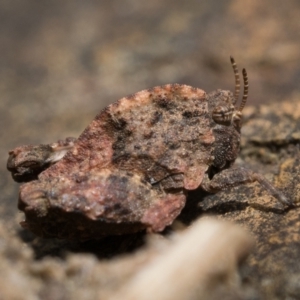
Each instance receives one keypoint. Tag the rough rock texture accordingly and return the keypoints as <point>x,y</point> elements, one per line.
<point>274,266</point>
<point>61,62</point>
<point>271,272</point>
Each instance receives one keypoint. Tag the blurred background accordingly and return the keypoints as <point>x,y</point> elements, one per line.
<point>62,61</point>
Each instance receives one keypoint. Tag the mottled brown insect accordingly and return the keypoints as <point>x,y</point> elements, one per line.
<point>133,166</point>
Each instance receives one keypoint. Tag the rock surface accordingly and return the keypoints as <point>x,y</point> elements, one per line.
<point>61,62</point>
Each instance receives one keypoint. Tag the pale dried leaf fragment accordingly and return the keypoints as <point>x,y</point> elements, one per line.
<point>200,260</point>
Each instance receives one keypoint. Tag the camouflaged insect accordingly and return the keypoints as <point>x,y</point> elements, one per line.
<point>132,167</point>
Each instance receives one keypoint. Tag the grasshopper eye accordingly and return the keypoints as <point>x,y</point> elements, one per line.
<point>222,115</point>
